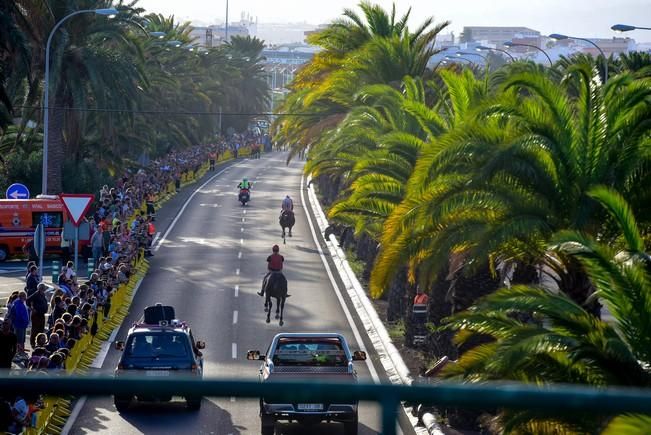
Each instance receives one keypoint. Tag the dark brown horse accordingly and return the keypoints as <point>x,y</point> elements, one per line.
<point>287,220</point>
<point>275,286</point>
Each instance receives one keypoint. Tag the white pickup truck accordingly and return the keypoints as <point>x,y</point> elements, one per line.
<point>308,357</point>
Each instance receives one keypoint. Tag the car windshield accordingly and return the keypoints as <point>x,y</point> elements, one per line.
<point>310,353</point>
<point>156,345</point>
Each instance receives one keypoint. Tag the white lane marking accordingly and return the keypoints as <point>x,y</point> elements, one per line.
<point>185,205</point>
<point>241,241</point>
<point>98,362</point>
<point>234,351</point>
<point>349,318</point>
<point>237,290</point>
<point>234,317</point>
<point>73,415</point>
<point>237,271</point>
<point>242,230</point>
<point>239,255</point>
<point>153,242</point>
<point>243,220</point>
<point>244,211</point>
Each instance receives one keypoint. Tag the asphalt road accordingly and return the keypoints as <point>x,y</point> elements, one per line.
<point>209,267</point>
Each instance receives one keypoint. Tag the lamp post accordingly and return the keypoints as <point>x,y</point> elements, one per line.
<point>559,37</point>
<point>627,28</point>
<point>226,27</point>
<point>484,48</point>
<point>513,44</point>
<point>110,12</point>
<point>459,57</point>
<point>467,53</point>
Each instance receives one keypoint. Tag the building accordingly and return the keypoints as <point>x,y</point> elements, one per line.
<point>614,46</point>
<point>497,35</point>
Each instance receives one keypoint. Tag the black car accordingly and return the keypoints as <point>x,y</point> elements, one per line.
<point>159,346</point>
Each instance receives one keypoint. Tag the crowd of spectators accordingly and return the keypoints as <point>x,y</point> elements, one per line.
<point>57,318</point>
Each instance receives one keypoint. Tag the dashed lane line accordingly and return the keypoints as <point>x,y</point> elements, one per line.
<point>185,205</point>
<point>234,350</point>
<point>237,271</point>
<point>239,255</point>
<point>237,290</point>
<point>235,317</point>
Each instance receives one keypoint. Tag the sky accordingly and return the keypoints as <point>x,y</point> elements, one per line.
<point>582,18</point>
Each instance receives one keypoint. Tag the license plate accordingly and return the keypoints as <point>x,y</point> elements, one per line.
<point>310,407</point>
<point>157,373</point>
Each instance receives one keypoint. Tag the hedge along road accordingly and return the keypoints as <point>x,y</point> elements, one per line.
<point>209,264</point>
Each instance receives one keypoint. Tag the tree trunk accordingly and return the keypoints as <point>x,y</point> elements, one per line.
<point>55,148</point>
<point>397,294</point>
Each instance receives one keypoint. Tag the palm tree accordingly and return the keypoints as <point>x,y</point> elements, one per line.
<point>517,171</point>
<point>15,56</point>
<point>86,70</point>
<point>355,52</point>
<point>560,341</point>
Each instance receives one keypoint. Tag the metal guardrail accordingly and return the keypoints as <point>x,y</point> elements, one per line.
<point>562,398</point>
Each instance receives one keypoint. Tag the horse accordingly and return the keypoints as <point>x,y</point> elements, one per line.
<point>286,220</point>
<point>275,286</point>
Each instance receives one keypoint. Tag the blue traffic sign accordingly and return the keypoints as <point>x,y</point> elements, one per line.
<point>17,191</point>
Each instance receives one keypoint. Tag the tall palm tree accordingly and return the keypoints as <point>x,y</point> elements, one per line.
<point>560,342</point>
<point>518,171</point>
<point>355,52</point>
<point>87,71</point>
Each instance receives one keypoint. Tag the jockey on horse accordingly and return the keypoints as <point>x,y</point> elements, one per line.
<point>274,265</point>
<point>287,210</point>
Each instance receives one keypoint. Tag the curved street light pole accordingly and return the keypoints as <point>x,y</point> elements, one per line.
<point>514,44</point>
<point>482,48</point>
<point>459,57</point>
<point>560,37</point>
<point>627,28</point>
<point>46,85</point>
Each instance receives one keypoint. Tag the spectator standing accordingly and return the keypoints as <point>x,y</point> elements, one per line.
<point>97,244</point>
<point>39,305</point>
<point>32,281</point>
<point>20,319</point>
<point>8,345</point>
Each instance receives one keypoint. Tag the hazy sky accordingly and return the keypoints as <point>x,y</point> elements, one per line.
<point>588,18</point>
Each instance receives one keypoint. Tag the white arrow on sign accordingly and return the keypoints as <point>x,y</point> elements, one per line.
<point>15,194</point>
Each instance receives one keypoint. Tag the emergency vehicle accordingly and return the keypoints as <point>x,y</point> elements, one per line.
<point>18,221</point>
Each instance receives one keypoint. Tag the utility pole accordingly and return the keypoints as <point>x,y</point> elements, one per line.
<point>226,33</point>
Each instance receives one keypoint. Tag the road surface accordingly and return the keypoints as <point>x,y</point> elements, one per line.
<point>209,266</point>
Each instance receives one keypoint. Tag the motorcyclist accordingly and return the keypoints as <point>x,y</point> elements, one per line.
<point>245,184</point>
<point>274,264</point>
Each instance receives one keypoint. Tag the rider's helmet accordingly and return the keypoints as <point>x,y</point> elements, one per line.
<point>245,179</point>
<point>275,248</point>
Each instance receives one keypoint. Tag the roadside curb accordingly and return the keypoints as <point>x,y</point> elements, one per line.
<point>389,355</point>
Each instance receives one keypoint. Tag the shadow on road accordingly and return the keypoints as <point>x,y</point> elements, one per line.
<point>165,418</point>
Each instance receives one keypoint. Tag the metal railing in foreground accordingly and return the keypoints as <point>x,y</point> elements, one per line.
<point>561,398</point>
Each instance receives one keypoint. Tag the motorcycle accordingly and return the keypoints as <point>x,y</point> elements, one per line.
<point>244,196</point>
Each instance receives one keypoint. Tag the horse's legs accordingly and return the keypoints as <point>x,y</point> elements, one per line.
<point>290,231</point>
<point>270,305</point>
<point>277,308</point>
<point>281,302</point>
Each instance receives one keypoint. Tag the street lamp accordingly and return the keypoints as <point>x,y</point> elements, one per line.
<point>484,48</point>
<point>107,12</point>
<point>459,57</point>
<point>559,37</point>
<point>513,44</point>
<point>467,53</point>
<point>627,28</point>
